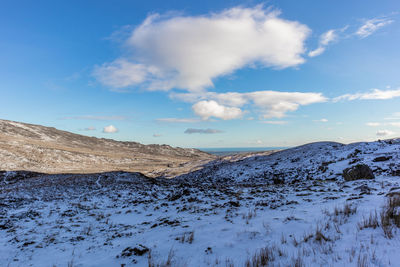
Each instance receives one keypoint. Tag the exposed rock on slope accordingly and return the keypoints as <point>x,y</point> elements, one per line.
<point>45,149</point>
<point>321,160</point>
<point>357,172</point>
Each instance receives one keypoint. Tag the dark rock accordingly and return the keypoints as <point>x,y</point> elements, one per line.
<point>357,172</point>
<point>139,250</point>
<point>234,203</point>
<point>383,158</point>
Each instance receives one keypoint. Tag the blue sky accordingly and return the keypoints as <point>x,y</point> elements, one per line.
<point>204,73</point>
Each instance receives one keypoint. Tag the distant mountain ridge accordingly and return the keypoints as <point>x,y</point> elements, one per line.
<point>38,148</point>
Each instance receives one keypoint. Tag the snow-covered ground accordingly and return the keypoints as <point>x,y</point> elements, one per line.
<point>291,208</point>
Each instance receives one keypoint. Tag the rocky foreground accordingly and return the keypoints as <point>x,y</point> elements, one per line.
<point>318,204</point>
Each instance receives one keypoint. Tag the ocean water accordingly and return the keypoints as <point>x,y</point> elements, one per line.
<point>224,151</point>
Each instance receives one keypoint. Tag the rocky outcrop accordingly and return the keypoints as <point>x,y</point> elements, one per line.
<point>358,172</point>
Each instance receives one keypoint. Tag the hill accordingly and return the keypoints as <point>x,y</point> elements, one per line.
<point>44,149</point>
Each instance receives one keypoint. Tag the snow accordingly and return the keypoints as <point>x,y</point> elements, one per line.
<point>232,208</point>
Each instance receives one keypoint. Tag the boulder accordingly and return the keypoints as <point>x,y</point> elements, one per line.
<point>357,172</point>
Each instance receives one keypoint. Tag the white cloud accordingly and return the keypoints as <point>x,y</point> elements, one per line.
<point>157,135</point>
<point>325,39</point>
<point>275,122</point>
<point>110,129</point>
<point>272,104</point>
<point>202,131</point>
<point>276,104</point>
<point>384,133</point>
<point>178,120</point>
<point>122,73</point>
<point>373,94</point>
<point>206,109</point>
<point>372,25</point>
<point>376,124</point>
<point>188,52</point>
<point>96,118</point>
<point>373,124</point>
<point>321,120</point>
<point>316,52</point>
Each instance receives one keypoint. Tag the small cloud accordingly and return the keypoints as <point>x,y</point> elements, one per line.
<point>321,120</point>
<point>96,118</point>
<point>157,135</point>
<point>202,131</point>
<point>274,122</point>
<point>371,26</point>
<point>384,133</point>
<point>110,129</point>
<point>373,124</point>
<point>90,128</point>
<point>178,120</point>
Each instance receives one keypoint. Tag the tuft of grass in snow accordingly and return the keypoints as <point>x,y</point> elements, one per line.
<point>262,257</point>
<point>390,216</point>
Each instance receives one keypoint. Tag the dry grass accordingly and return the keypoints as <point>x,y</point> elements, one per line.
<point>167,263</point>
<point>390,216</point>
<point>370,222</point>
<point>263,257</point>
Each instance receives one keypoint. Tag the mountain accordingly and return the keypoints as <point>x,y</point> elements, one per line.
<point>320,160</point>
<point>319,204</point>
<point>45,149</point>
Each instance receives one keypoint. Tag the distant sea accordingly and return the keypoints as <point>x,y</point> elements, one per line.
<point>225,151</point>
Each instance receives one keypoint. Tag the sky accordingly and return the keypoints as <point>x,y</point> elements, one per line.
<point>204,73</point>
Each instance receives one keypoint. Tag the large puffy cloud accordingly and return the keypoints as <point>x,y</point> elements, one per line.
<point>189,52</point>
<point>374,94</point>
<point>372,25</point>
<point>272,104</point>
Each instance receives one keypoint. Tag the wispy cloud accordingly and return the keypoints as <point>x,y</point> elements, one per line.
<point>96,118</point>
<point>384,133</point>
<point>376,124</point>
<point>178,120</point>
<point>188,52</point>
<point>373,94</point>
<point>202,131</point>
<point>326,39</point>
<point>157,135</point>
<point>110,129</point>
<point>321,120</point>
<point>373,124</point>
<point>372,25</point>
<point>275,122</point>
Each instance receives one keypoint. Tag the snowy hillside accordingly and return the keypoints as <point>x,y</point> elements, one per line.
<point>290,208</point>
